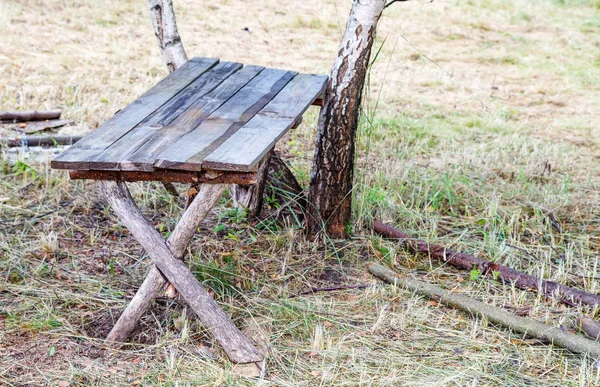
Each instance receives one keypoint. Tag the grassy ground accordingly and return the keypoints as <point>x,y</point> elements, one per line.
<point>480,132</point>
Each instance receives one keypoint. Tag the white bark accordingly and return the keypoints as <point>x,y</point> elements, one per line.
<point>333,165</point>
<point>165,28</point>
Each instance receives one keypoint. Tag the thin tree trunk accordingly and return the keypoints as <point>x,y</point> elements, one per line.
<point>532,328</point>
<point>165,28</point>
<point>330,195</point>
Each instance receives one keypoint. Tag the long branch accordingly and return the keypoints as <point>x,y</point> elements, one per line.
<point>506,274</point>
<point>532,328</point>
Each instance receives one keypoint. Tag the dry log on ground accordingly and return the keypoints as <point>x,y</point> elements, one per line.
<point>29,115</point>
<point>237,347</point>
<point>532,328</point>
<point>506,274</point>
<point>590,326</point>
<point>38,126</point>
<point>40,141</point>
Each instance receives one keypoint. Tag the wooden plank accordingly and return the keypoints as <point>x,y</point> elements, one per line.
<point>168,176</point>
<point>153,126</point>
<point>143,158</point>
<point>188,152</point>
<point>243,150</point>
<point>78,155</point>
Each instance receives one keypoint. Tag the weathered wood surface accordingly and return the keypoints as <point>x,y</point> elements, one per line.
<point>79,155</point>
<point>165,175</point>
<point>204,115</point>
<point>156,131</point>
<point>144,158</point>
<point>29,115</point>
<point>234,343</point>
<point>332,174</point>
<point>244,149</point>
<point>251,197</point>
<point>188,152</point>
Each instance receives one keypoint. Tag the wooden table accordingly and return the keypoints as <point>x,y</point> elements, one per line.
<point>211,123</point>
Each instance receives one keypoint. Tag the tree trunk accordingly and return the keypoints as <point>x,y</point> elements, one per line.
<point>330,194</point>
<point>165,28</point>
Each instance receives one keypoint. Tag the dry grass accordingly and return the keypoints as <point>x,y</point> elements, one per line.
<point>475,99</point>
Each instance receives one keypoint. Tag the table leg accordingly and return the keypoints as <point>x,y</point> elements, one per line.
<point>196,211</point>
<point>251,196</point>
<point>234,343</point>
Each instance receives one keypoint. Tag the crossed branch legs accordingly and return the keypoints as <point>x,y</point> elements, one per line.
<point>168,267</point>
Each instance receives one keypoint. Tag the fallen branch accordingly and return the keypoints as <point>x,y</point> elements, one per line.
<point>532,328</point>
<point>39,141</point>
<point>38,126</point>
<point>506,274</point>
<point>590,326</point>
<point>331,289</point>
<point>29,115</point>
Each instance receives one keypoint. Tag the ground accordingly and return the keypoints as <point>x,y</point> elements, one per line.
<point>480,132</point>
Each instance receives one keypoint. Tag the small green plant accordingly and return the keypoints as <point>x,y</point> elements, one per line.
<point>21,168</point>
<point>475,274</point>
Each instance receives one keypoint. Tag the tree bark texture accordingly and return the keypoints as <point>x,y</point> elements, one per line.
<point>165,28</point>
<point>234,343</point>
<point>532,328</point>
<point>155,282</point>
<point>330,198</point>
<point>590,327</point>
<point>506,274</point>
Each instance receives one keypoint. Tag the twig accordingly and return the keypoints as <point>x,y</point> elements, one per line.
<point>532,328</point>
<point>331,289</point>
<point>394,1</point>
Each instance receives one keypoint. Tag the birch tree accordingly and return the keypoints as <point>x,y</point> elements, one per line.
<point>330,196</point>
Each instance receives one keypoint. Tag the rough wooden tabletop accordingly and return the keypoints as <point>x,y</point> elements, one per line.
<point>208,114</point>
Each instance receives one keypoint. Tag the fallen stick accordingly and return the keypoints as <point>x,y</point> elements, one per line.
<point>506,274</point>
<point>590,327</point>
<point>39,141</point>
<point>532,328</point>
<point>331,289</point>
<point>38,126</point>
<point>29,115</point>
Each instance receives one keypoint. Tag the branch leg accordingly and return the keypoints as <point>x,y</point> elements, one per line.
<point>251,196</point>
<point>155,282</point>
<point>234,343</point>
